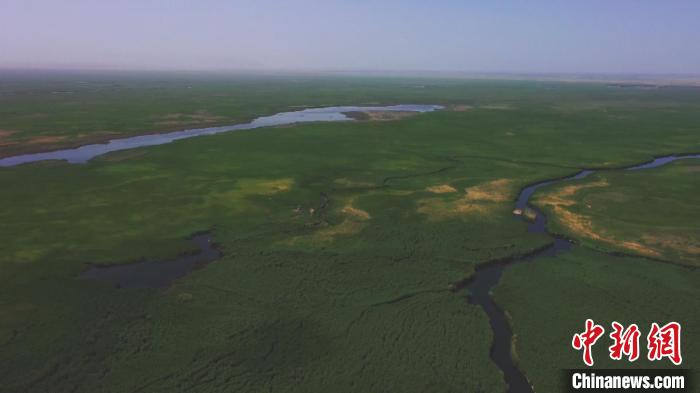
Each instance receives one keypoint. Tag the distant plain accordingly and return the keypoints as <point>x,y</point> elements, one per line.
<point>340,241</point>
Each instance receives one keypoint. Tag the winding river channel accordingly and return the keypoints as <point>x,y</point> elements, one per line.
<point>487,276</point>
<point>156,274</point>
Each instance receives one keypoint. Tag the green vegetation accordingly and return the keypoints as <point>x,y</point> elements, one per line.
<point>42,112</point>
<point>624,211</point>
<point>549,300</point>
<point>653,213</point>
<point>348,295</point>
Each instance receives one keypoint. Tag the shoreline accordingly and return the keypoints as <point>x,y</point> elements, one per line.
<point>27,148</point>
<point>85,153</point>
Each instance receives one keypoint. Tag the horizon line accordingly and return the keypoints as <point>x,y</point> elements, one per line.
<point>687,79</point>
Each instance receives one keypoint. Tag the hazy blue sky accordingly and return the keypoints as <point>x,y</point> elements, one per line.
<point>640,36</point>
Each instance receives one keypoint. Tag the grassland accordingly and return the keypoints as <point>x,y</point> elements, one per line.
<point>40,112</point>
<point>549,299</point>
<point>345,295</point>
<point>648,221</point>
<point>650,213</point>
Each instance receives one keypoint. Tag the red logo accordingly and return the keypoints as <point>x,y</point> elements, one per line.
<point>662,342</point>
<point>626,342</point>
<point>665,342</point>
<point>587,339</point>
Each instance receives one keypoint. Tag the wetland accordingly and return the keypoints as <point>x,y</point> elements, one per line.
<point>336,255</point>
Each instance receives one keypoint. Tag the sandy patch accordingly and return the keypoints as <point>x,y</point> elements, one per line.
<point>494,191</point>
<point>353,222</point>
<point>45,139</point>
<point>380,115</point>
<point>483,199</point>
<point>441,189</point>
<point>682,244</point>
<point>356,213</point>
<point>345,228</point>
<point>562,196</point>
<point>4,134</point>
<point>265,187</point>
<point>582,225</point>
<point>328,233</point>
<point>389,115</point>
<point>637,247</point>
<point>353,213</point>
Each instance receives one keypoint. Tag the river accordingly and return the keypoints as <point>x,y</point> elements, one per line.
<point>487,276</point>
<point>83,154</point>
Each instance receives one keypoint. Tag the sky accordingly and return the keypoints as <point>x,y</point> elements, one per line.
<point>592,36</point>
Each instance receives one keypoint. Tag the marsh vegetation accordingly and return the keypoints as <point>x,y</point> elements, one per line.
<point>339,241</point>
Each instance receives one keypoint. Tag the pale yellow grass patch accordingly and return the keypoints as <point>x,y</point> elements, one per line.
<point>353,222</point>
<point>441,189</point>
<point>483,199</point>
<point>494,191</point>
<point>45,139</point>
<point>6,133</point>
<point>581,224</point>
<point>3,135</point>
<point>345,228</point>
<point>389,115</point>
<point>242,195</point>
<point>688,245</point>
<point>637,247</point>
<point>327,234</point>
<point>354,212</point>
<point>264,187</point>
<point>562,196</point>
<point>439,209</point>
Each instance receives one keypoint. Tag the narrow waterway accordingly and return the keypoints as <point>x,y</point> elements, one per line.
<point>486,277</point>
<point>156,274</point>
<point>85,153</point>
